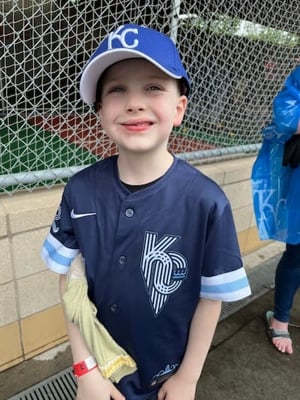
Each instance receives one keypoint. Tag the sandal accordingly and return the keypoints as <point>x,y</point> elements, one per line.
<point>275,333</point>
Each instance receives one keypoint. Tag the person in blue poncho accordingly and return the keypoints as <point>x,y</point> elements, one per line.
<point>276,199</point>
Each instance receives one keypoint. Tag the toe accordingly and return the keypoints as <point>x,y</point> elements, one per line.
<point>283,345</point>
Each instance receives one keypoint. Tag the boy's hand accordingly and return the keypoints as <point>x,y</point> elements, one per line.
<point>92,386</point>
<point>291,155</point>
<point>177,388</point>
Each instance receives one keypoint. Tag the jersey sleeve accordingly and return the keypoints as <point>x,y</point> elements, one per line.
<point>60,247</point>
<point>224,277</point>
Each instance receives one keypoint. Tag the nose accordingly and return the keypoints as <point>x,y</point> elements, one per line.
<point>135,103</point>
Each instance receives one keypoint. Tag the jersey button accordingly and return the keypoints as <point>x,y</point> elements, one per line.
<point>129,212</point>
<point>122,260</point>
<point>114,307</point>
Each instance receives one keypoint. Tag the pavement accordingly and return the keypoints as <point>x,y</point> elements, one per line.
<point>241,364</point>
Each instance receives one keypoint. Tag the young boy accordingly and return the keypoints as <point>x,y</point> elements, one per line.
<point>157,236</point>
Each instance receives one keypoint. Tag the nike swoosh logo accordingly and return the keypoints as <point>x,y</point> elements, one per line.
<point>76,216</point>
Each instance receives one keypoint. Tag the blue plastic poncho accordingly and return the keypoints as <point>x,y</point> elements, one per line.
<point>275,188</point>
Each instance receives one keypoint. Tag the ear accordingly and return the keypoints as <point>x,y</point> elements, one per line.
<point>180,110</point>
<point>97,107</point>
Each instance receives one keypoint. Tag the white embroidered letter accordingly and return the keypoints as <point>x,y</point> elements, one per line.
<point>122,38</point>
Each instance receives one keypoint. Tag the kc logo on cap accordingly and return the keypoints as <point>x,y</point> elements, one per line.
<point>125,42</point>
<point>131,41</point>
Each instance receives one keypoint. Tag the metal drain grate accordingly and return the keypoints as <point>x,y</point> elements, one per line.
<point>62,386</point>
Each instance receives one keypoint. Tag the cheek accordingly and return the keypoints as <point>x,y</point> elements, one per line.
<point>106,111</point>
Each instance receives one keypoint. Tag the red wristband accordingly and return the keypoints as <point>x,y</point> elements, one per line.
<point>85,366</point>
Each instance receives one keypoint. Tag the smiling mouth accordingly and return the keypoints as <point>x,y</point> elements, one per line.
<point>142,124</point>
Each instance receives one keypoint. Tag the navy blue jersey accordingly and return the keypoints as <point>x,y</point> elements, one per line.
<point>149,256</point>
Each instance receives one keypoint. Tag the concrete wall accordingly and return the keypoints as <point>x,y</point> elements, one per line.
<point>31,318</point>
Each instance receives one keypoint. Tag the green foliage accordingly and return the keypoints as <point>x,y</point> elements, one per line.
<point>225,25</point>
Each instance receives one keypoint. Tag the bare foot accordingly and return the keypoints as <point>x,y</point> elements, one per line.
<point>283,344</point>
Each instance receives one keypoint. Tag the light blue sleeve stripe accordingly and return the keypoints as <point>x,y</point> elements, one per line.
<point>226,287</point>
<point>55,256</point>
<point>230,286</point>
<point>58,268</point>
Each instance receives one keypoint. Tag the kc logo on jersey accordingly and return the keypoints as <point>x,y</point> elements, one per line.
<point>163,270</point>
<point>116,35</point>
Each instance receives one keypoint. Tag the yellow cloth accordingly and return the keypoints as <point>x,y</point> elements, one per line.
<point>113,361</point>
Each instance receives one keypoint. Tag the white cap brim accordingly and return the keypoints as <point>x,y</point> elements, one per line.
<point>96,67</point>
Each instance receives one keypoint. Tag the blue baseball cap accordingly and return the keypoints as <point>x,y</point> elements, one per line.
<point>132,41</point>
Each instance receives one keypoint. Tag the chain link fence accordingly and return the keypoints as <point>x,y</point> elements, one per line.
<point>238,54</point>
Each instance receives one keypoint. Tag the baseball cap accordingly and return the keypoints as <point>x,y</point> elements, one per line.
<point>132,41</point>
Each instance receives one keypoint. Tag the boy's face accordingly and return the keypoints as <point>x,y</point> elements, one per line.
<point>139,106</point>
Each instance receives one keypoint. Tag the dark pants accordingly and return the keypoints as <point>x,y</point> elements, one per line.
<point>287,282</point>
